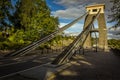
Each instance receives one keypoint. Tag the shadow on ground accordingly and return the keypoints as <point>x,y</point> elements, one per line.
<point>92,66</point>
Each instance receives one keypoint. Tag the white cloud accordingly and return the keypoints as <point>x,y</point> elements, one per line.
<point>68,3</point>
<point>73,29</point>
<point>70,13</point>
<point>76,8</point>
<point>74,3</point>
<point>110,36</point>
<point>112,33</point>
<point>78,27</point>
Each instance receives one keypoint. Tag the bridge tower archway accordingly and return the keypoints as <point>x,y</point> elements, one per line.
<point>102,30</point>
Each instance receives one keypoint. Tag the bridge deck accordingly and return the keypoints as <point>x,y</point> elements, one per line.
<point>93,66</point>
<point>90,66</point>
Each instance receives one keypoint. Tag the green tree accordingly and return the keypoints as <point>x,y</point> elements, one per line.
<point>115,16</point>
<point>5,6</point>
<point>31,21</point>
<point>14,18</point>
<point>113,43</point>
<point>34,14</point>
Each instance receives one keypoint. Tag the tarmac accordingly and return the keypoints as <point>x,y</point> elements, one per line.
<point>90,66</point>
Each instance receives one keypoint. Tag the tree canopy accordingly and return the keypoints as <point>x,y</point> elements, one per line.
<point>5,6</point>
<point>29,21</point>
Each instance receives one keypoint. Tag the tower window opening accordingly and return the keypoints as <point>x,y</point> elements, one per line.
<point>94,10</point>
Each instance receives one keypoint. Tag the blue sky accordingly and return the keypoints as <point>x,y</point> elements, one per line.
<point>68,10</point>
<point>60,10</point>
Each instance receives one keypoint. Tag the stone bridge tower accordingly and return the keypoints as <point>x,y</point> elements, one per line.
<point>102,30</point>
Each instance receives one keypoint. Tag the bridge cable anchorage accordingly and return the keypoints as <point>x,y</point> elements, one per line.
<point>34,45</point>
<point>79,41</point>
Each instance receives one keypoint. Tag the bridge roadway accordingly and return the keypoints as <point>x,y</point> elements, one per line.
<point>90,66</point>
<point>11,66</point>
<point>93,66</point>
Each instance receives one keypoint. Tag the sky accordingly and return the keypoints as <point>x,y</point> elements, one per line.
<point>68,10</point>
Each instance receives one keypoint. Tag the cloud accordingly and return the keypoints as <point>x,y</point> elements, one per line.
<point>68,3</point>
<point>76,8</point>
<point>78,27</point>
<point>111,36</point>
<point>112,33</point>
<point>74,3</point>
<point>69,13</point>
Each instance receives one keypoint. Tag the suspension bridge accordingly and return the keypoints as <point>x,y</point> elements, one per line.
<point>59,62</point>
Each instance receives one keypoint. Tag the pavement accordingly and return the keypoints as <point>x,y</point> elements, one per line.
<point>90,66</point>
<point>93,66</point>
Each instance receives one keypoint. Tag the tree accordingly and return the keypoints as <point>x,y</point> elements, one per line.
<point>115,16</point>
<point>32,21</point>
<point>34,14</point>
<point>113,43</point>
<point>5,6</point>
<point>14,18</point>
